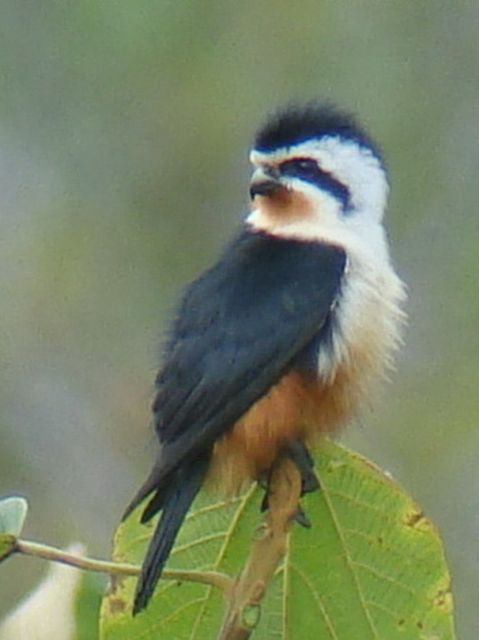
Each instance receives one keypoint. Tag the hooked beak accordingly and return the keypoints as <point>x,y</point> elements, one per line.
<point>265,182</point>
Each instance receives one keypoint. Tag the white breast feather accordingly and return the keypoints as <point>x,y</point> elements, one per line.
<point>367,322</point>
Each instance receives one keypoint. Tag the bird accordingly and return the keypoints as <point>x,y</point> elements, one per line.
<point>283,338</point>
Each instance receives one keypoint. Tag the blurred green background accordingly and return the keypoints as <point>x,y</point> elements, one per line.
<point>124,132</point>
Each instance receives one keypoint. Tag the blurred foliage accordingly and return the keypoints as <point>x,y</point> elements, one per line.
<point>124,131</point>
<point>88,604</point>
<point>13,512</point>
<point>372,566</point>
<point>46,612</point>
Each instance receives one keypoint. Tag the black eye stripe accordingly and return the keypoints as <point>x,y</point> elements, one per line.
<point>308,170</point>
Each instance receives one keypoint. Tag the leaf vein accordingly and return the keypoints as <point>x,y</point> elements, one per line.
<point>234,521</point>
<point>217,506</point>
<point>412,561</point>
<point>174,614</point>
<point>349,561</point>
<point>384,577</point>
<point>317,599</point>
<point>390,612</point>
<point>198,542</point>
<point>366,505</point>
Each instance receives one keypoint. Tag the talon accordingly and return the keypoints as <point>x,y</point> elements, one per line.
<point>302,458</point>
<point>263,480</point>
<point>301,518</point>
<point>310,483</point>
<point>264,502</point>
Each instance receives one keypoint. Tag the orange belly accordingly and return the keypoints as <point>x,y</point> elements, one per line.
<point>299,406</point>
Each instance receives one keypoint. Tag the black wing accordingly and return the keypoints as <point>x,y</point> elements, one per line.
<point>238,330</point>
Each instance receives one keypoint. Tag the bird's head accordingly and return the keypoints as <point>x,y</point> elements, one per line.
<point>316,173</point>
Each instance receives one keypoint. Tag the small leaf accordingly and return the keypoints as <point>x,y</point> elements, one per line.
<point>13,512</point>
<point>371,567</point>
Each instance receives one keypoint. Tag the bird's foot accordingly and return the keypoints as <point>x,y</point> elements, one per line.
<point>301,517</point>
<point>297,451</point>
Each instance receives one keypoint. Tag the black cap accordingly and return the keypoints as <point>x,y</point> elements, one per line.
<point>295,123</point>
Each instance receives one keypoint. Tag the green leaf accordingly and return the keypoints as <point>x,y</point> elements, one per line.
<point>372,566</point>
<point>13,512</point>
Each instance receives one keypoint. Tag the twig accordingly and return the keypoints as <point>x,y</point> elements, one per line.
<point>212,578</point>
<point>245,593</point>
<point>267,552</point>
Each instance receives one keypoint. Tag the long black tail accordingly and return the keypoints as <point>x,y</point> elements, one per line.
<point>174,500</point>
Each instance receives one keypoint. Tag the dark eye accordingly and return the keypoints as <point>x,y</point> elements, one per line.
<point>301,167</point>
<point>306,165</point>
<point>308,170</point>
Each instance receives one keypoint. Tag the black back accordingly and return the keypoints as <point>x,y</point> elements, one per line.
<point>238,329</point>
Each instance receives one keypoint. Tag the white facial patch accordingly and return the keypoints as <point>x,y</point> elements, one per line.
<point>353,165</point>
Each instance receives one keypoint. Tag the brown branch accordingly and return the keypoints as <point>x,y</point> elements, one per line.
<point>268,550</point>
<point>47,552</point>
<point>246,593</point>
